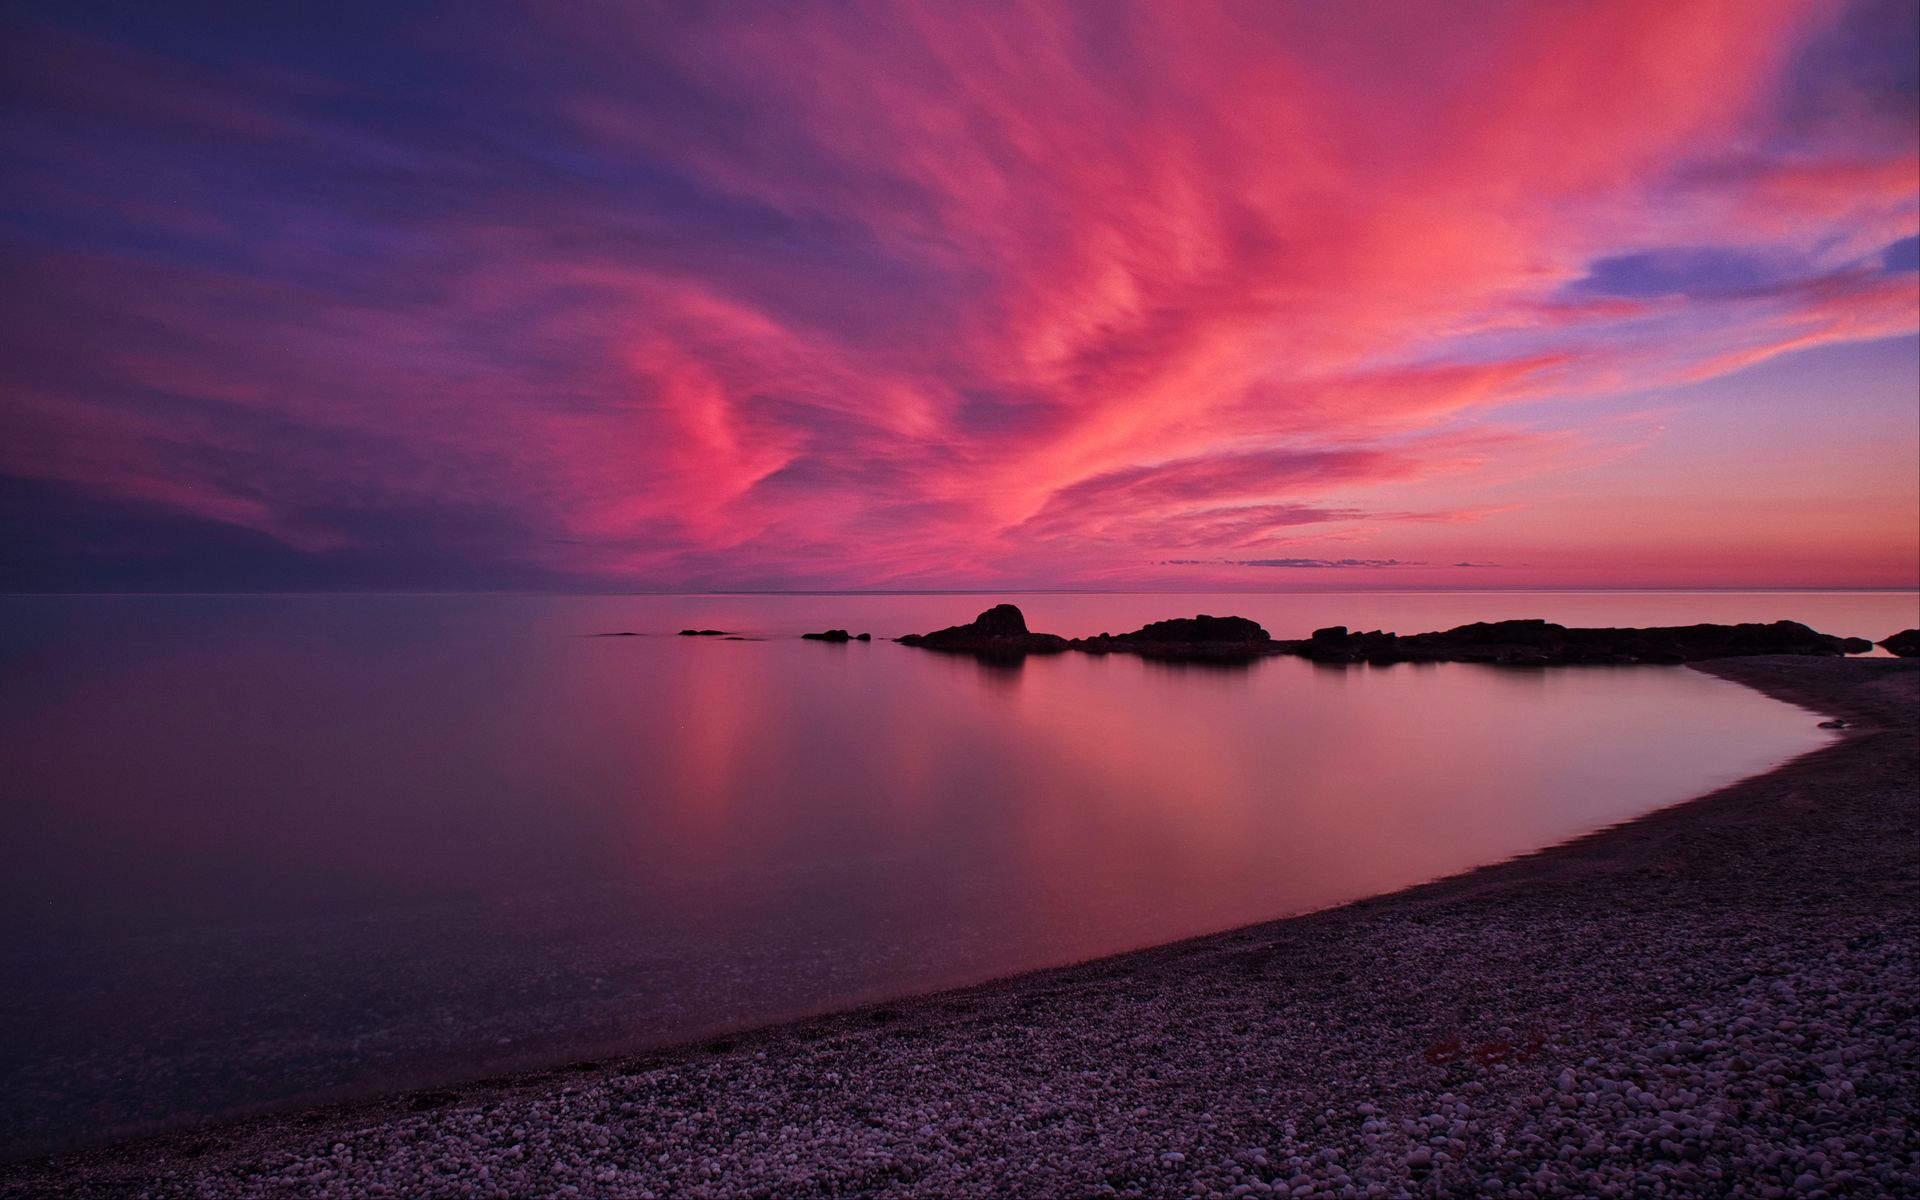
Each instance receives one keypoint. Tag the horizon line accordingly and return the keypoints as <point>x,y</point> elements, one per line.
<point>1009,591</point>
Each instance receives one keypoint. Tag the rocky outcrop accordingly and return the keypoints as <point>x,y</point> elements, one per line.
<point>1905,644</point>
<point>837,635</point>
<point>1197,639</point>
<point>1002,632</point>
<point>1544,643</point>
<point>999,632</point>
<point>703,633</point>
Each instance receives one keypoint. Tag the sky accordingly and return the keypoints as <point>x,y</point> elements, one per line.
<point>811,296</point>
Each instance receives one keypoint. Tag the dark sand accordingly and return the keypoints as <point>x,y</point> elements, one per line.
<point>1720,998</point>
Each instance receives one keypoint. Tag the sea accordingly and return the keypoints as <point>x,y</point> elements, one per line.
<point>272,850</point>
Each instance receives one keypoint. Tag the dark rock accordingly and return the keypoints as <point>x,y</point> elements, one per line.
<point>622,633</point>
<point>1540,643</point>
<point>862,637</point>
<point>999,632</point>
<point>1002,620</point>
<point>703,633</point>
<point>1905,644</point>
<point>831,635</point>
<point>1195,639</point>
<point>1202,628</point>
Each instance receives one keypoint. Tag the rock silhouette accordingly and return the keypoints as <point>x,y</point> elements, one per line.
<point>1905,644</point>
<point>1542,642</point>
<point>999,632</point>
<point>703,633</point>
<point>837,635</point>
<point>1201,638</point>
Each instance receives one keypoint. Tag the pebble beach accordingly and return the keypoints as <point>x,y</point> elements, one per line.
<point>1719,999</point>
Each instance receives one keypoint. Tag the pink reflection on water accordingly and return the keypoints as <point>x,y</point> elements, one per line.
<point>268,848</point>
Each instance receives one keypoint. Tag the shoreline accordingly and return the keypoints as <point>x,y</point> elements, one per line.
<point>1248,1059</point>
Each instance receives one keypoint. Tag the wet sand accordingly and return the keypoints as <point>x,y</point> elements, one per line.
<point>1720,998</point>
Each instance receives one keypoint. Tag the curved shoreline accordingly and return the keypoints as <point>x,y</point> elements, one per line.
<point>1249,1059</point>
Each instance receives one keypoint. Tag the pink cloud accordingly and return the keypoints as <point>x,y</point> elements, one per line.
<point>849,295</point>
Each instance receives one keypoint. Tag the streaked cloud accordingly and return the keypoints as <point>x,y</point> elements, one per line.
<point>1307,564</point>
<point>895,295</point>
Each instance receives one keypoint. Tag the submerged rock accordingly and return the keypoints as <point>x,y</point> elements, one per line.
<point>999,632</point>
<point>1535,642</point>
<point>1905,644</point>
<point>703,633</point>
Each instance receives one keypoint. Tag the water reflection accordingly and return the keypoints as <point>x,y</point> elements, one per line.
<point>274,847</point>
<point>1212,666</point>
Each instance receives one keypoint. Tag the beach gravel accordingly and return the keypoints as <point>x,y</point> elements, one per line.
<point>1719,999</point>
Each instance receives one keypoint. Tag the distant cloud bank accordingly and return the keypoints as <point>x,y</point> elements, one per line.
<point>1306,563</point>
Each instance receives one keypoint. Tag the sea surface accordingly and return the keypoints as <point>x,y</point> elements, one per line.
<point>262,850</point>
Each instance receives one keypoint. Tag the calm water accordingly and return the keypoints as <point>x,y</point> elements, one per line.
<point>262,849</point>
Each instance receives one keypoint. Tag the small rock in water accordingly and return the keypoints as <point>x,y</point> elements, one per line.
<point>1905,644</point>
<point>999,632</point>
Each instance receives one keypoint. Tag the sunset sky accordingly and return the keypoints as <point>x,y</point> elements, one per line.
<point>960,295</point>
